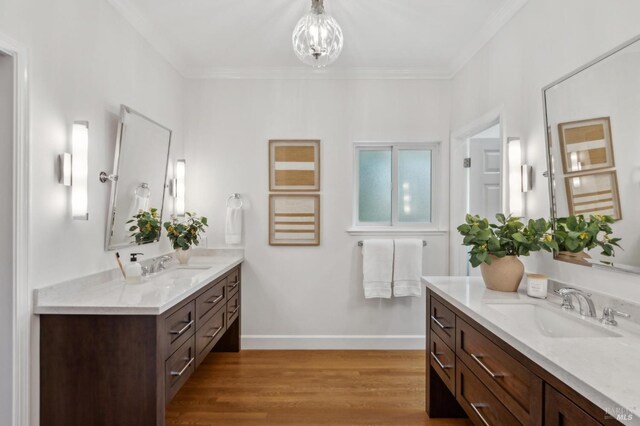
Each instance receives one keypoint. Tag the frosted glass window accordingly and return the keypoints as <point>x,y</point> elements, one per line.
<point>414,185</point>
<point>395,184</point>
<point>374,177</point>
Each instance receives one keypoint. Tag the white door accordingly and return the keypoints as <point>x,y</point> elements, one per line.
<point>485,190</point>
<point>6,246</point>
<point>485,178</point>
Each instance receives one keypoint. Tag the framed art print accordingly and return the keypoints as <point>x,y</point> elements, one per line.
<point>586,145</point>
<point>595,193</point>
<point>294,165</point>
<point>294,219</point>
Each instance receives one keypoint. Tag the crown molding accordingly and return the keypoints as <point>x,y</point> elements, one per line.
<point>491,27</point>
<point>302,73</point>
<point>171,53</point>
<point>151,34</point>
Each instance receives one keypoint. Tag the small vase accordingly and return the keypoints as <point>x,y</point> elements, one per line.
<point>183,256</point>
<point>504,273</point>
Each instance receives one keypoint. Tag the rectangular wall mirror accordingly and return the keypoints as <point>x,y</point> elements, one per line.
<point>593,144</point>
<point>140,173</point>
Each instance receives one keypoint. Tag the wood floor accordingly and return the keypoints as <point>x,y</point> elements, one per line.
<point>306,388</point>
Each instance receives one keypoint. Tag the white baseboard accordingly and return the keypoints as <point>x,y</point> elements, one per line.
<point>319,342</point>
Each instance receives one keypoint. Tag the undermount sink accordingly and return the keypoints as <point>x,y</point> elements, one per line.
<point>549,322</point>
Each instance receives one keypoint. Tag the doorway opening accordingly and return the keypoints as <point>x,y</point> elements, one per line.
<point>484,176</point>
<point>15,316</point>
<point>477,181</point>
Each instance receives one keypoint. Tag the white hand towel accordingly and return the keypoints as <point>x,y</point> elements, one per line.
<point>407,268</point>
<point>233,225</point>
<point>377,268</point>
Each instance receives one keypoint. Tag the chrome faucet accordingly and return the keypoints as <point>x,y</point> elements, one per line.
<point>158,265</point>
<point>609,316</point>
<point>587,307</point>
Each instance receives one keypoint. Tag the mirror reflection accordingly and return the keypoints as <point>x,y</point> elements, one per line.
<point>594,152</point>
<point>140,166</point>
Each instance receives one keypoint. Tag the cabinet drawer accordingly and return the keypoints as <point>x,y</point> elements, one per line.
<point>179,367</point>
<point>179,327</point>
<point>443,322</point>
<point>210,300</point>
<point>480,404</point>
<point>209,334</point>
<point>560,411</point>
<point>518,388</point>
<point>233,281</point>
<point>443,361</point>
<point>233,308</point>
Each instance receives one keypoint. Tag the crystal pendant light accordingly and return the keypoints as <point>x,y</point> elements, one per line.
<point>317,38</point>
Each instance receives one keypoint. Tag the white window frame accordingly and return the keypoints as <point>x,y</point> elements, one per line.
<point>396,226</point>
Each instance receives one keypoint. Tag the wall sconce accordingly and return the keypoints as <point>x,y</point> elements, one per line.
<point>64,169</point>
<point>74,170</point>
<point>179,187</point>
<point>527,178</point>
<point>516,181</point>
<point>80,170</point>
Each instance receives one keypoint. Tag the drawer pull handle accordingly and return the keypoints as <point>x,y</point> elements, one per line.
<point>216,300</point>
<point>181,372</point>
<point>475,407</point>
<point>476,358</point>
<point>233,285</point>
<point>215,334</point>
<point>444,367</point>
<point>439,324</point>
<point>234,311</point>
<point>183,329</point>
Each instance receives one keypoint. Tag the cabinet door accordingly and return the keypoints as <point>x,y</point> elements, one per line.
<point>560,411</point>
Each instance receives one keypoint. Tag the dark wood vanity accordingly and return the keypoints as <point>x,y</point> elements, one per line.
<point>472,373</point>
<point>124,369</point>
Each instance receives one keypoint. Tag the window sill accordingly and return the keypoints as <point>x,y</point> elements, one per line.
<point>393,231</point>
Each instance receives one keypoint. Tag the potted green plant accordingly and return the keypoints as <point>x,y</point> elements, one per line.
<point>147,226</point>
<point>576,235</point>
<point>496,247</point>
<point>184,235</point>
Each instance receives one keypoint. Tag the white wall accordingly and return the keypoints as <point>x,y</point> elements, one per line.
<point>6,248</point>
<point>85,60</point>
<point>544,41</point>
<point>312,291</point>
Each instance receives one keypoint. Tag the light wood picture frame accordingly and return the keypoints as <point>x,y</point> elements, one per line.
<point>294,165</point>
<point>294,219</point>
<point>594,193</point>
<point>586,145</point>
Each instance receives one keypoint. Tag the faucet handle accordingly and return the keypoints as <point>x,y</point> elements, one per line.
<point>609,316</point>
<point>567,303</point>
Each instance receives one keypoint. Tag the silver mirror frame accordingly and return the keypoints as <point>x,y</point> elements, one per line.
<point>111,214</point>
<point>550,174</point>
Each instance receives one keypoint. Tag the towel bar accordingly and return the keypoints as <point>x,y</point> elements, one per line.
<point>361,243</point>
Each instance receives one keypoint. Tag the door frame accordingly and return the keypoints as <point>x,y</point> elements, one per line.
<point>20,240</point>
<point>459,202</point>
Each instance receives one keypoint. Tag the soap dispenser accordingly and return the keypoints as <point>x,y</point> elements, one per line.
<point>134,269</point>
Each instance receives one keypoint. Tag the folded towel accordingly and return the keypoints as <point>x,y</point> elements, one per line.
<point>233,225</point>
<point>407,268</point>
<point>377,268</point>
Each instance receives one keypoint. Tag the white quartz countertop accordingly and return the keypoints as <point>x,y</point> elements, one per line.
<point>111,295</point>
<point>605,370</point>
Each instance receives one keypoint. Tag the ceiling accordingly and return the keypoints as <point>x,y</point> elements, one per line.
<point>252,38</point>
